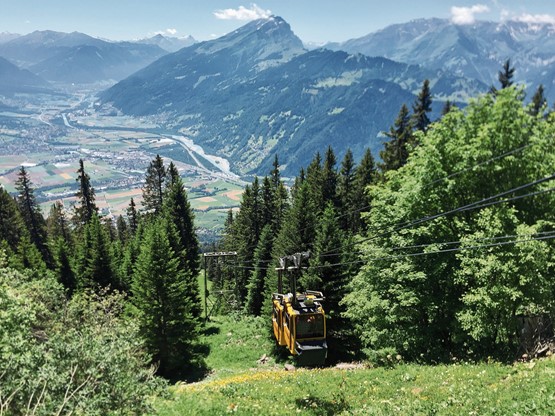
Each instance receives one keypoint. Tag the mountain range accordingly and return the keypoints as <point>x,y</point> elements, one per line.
<point>258,90</point>
<point>475,50</point>
<point>76,57</point>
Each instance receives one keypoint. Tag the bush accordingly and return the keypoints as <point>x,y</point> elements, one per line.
<point>61,357</point>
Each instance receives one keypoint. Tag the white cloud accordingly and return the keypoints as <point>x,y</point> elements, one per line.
<point>466,15</point>
<point>243,13</point>
<point>536,18</point>
<point>167,32</point>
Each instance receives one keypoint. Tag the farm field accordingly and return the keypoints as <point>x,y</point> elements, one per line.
<point>50,134</point>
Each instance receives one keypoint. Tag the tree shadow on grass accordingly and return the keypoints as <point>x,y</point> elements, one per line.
<point>317,406</point>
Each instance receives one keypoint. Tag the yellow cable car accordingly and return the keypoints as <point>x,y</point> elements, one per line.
<point>298,319</point>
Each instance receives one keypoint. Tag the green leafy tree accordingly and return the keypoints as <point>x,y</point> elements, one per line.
<point>164,306</point>
<point>60,356</point>
<point>418,296</point>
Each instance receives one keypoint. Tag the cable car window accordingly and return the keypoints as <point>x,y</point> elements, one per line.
<point>310,326</point>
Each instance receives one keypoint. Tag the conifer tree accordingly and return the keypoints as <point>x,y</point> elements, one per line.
<point>314,180</point>
<point>31,213</point>
<point>154,187</point>
<point>506,75</point>
<point>447,107</point>
<point>28,256</point>
<point>421,107</point>
<point>86,207</point>
<point>12,227</point>
<point>180,213</point>
<point>132,217</point>
<point>63,267</point>
<point>57,224</point>
<point>268,199</point>
<point>538,101</point>
<point>396,152</point>
<point>94,262</point>
<point>365,175</point>
<point>261,263</point>
<point>346,192</point>
<point>122,230</point>
<point>247,227</point>
<point>329,178</point>
<point>163,304</point>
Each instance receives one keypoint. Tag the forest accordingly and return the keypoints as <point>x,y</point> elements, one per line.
<point>441,249</point>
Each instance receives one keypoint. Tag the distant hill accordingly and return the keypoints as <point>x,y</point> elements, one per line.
<point>474,51</point>
<point>256,92</point>
<point>78,58</point>
<point>7,36</point>
<point>14,79</point>
<point>168,43</point>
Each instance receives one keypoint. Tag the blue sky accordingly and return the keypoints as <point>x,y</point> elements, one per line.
<point>311,20</point>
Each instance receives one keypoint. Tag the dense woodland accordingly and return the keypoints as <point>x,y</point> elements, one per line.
<point>438,250</point>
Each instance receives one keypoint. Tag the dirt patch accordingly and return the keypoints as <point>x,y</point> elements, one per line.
<point>206,199</point>
<point>234,195</point>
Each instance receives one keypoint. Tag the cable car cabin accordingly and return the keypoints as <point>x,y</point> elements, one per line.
<point>299,323</point>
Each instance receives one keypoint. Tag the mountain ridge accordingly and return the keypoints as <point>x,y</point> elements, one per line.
<point>257,91</point>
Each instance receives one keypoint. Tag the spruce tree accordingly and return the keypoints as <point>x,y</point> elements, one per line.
<point>447,107</point>
<point>86,207</point>
<point>63,265</point>
<point>506,75</point>
<point>314,179</point>
<point>132,217</point>
<point>12,227</point>
<point>164,306</point>
<point>329,178</point>
<point>365,175</point>
<point>346,192</point>
<point>180,213</point>
<point>31,213</point>
<point>94,264</point>
<point>396,151</point>
<point>154,187</point>
<point>538,101</point>
<point>421,107</point>
<point>257,279</point>
<point>57,224</point>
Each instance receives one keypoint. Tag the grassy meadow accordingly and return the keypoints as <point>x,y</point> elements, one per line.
<point>239,383</point>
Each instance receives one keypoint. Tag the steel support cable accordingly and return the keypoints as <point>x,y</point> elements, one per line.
<point>474,205</point>
<point>425,253</point>
<point>452,175</point>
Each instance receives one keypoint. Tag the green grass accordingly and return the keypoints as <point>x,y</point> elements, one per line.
<point>239,384</point>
